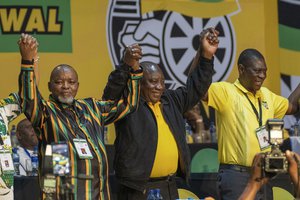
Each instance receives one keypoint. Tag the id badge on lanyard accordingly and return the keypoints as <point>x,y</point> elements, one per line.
<point>263,137</point>
<point>82,148</point>
<point>7,169</point>
<point>261,132</point>
<point>7,165</point>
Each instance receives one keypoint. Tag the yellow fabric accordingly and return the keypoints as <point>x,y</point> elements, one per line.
<point>236,120</point>
<point>192,7</point>
<point>280,193</point>
<point>166,157</point>
<point>184,194</point>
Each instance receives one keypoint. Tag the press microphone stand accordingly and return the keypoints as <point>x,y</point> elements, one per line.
<point>67,189</point>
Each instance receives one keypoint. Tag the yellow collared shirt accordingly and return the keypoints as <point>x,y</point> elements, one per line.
<point>237,122</point>
<point>166,157</point>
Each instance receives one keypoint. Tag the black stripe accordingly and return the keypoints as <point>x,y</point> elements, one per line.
<point>128,3</point>
<point>119,10</point>
<point>287,80</point>
<point>288,14</point>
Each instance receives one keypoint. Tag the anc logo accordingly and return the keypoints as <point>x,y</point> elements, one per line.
<point>167,38</point>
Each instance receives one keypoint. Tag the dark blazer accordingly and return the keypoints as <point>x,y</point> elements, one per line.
<point>136,134</point>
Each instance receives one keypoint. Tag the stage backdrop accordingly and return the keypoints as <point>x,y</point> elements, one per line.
<point>92,36</point>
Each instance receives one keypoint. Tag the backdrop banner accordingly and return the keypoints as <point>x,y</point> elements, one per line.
<point>92,37</point>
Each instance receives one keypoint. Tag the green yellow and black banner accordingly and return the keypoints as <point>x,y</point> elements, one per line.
<point>91,36</point>
<point>289,53</point>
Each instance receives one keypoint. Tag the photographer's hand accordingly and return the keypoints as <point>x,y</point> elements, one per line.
<point>256,180</point>
<point>294,159</point>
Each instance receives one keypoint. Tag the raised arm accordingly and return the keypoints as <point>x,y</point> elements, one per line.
<point>118,79</point>
<point>31,101</point>
<point>208,46</point>
<point>294,101</point>
<point>28,42</point>
<point>201,71</point>
<point>122,91</point>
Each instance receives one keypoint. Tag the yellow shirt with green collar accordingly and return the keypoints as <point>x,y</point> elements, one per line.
<point>236,120</point>
<point>166,157</point>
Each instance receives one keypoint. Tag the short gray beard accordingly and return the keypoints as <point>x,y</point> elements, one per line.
<point>68,100</point>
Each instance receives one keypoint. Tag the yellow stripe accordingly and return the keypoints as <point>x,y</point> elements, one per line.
<point>121,101</point>
<point>72,160</point>
<point>123,113</point>
<point>69,125</point>
<point>53,128</point>
<point>26,66</point>
<point>97,154</point>
<point>192,8</point>
<point>33,92</point>
<point>91,111</point>
<point>107,184</point>
<point>57,187</point>
<point>134,93</point>
<point>106,161</point>
<point>87,171</point>
<point>289,62</point>
<point>133,100</point>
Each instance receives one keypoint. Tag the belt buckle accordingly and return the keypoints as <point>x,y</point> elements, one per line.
<point>241,169</point>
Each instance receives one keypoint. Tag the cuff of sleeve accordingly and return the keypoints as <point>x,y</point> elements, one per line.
<point>140,70</point>
<point>27,67</point>
<point>138,74</point>
<point>203,59</point>
<point>27,62</point>
<point>124,66</point>
<point>16,97</point>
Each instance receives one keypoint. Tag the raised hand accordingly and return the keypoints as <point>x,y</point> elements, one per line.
<point>28,46</point>
<point>133,53</point>
<point>208,42</point>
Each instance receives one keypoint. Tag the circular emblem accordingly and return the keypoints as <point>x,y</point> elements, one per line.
<point>167,38</point>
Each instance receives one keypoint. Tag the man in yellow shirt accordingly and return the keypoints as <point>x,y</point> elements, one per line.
<point>150,144</point>
<point>242,109</point>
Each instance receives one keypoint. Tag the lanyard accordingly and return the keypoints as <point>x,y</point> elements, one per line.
<point>258,116</point>
<point>28,154</point>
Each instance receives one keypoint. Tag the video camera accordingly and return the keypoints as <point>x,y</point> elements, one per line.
<point>275,161</point>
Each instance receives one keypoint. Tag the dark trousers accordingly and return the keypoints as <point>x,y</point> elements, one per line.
<point>168,190</point>
<point>232,181</point>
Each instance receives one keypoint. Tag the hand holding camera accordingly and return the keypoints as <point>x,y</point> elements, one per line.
<point>268,165</point>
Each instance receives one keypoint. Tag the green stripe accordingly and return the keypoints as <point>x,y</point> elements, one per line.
<point>289,38</point>
<point>98,151</point>
<point>27,69</point>
<point>92,110</point>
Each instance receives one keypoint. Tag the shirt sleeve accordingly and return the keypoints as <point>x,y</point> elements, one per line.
<point>32,102</point>
<point>196,87</point>
<point>114,109</point>
<point>281,105</point>
<point>217,96</point>
<point>10,107</point>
